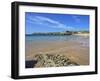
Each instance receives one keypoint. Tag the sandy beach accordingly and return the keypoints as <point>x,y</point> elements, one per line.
<point>56,39</point>
<point>74,50</point>
<point>83,34</point>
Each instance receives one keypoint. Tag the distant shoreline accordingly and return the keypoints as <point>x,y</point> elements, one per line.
<point>57,34</point>
<point>82,33</point>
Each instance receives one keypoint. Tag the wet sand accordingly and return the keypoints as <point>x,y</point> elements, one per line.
<point>74,50</point>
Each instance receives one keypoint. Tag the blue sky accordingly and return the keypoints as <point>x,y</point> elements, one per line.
<point>47,22</point>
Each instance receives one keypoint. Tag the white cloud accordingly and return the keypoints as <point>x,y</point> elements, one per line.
<point>47,22</point>
<point>76,18</point>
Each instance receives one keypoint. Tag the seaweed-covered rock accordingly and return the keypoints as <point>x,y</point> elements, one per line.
<point>50,60</point>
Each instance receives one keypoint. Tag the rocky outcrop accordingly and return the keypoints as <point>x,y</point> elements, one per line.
<point>50,60</point>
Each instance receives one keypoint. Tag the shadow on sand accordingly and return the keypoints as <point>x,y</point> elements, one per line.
<point>30,63</point>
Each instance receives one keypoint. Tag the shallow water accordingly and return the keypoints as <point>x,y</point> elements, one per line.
<point>40,39</point>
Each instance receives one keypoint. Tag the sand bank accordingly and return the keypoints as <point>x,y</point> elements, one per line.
<point>83,34</point>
